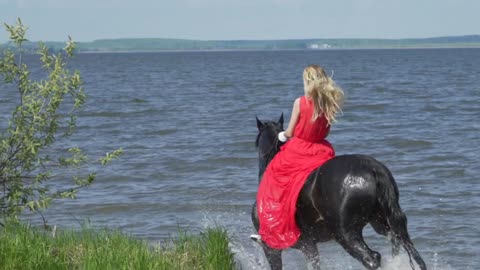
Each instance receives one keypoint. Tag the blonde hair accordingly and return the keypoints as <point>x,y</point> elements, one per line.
<point>326,95</point>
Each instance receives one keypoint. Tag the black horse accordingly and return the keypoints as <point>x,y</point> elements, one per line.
<point>337,201</point>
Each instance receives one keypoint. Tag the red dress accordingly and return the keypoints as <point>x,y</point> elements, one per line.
<point>285,175</point>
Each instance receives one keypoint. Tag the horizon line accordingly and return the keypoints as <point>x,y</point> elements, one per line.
<point>279,39</point>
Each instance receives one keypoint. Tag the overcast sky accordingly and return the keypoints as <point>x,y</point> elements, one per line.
<point>87,20</point>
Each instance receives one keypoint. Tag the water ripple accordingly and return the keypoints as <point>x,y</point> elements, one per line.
<point>187,123</point>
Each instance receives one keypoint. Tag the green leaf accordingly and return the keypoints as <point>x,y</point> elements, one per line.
<point>111,156</point>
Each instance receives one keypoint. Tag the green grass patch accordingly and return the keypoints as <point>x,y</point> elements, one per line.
<point>26,247</point>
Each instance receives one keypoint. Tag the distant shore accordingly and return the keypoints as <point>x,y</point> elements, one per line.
<point>273,50</point>
<point>175,45</point>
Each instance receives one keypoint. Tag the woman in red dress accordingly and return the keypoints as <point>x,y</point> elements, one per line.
<point>305,150</point>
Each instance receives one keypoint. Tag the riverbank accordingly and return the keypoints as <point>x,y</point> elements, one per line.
<point>27,247</point>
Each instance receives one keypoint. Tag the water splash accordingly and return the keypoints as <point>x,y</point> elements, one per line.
<point>249,255</point>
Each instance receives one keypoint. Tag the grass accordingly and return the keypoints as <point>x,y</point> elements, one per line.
<point>26,247</point>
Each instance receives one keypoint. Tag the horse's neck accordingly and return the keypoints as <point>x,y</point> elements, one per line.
<point>263,161</point>
<point>262,166</point>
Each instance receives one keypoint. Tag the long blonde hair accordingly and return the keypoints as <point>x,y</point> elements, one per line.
<point>326,95</point>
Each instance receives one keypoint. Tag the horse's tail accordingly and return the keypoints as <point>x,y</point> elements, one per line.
<point>396,220</point>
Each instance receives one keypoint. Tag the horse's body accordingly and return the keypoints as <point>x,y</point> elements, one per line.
<point>337,201</point>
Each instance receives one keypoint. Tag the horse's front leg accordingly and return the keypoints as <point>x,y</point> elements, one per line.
<point>274,257</point>
<point>310,250</point>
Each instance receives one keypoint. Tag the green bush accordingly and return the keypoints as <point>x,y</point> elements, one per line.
<point>46,111</point>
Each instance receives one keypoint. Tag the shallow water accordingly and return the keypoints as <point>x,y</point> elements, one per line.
<point>186,121</point>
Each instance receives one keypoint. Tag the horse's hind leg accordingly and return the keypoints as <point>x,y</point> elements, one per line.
<point>352,241</point>
<point>398,220</point>
<point>380,226</point>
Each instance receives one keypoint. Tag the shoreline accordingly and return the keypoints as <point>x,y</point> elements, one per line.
<point>275,50</point>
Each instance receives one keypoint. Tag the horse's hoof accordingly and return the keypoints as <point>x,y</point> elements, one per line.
<point>375,261</point>
<point>257,238</point>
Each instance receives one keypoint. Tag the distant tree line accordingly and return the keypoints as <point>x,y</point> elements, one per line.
<point>161,44</point>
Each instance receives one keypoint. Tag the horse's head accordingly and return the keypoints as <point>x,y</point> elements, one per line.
<point>267,142</point>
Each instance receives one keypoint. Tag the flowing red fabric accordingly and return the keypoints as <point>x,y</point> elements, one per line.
<point>285,175</point>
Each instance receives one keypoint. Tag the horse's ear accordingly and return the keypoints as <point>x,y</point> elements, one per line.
<point>259,123</point>
<point>280,121</point>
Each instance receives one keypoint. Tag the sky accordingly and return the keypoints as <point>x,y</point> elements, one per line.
<point>88,20</point>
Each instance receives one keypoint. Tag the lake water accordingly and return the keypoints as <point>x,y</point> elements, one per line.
<point>186,121</point>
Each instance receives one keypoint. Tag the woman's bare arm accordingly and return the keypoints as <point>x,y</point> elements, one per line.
<point>293,118</point>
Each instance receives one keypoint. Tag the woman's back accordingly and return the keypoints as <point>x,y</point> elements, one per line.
<point>308,130</point>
